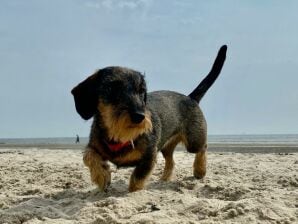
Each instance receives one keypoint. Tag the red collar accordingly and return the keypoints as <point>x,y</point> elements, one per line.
<point>117,146</point>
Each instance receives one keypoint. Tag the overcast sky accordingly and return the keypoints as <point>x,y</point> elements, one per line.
<point>48,46</point>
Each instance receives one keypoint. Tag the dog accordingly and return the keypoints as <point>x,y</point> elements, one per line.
<point>130,125</point>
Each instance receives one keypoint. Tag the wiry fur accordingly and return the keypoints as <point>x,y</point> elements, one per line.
<point>99,169</point>
<point>117,99</point>
<point>119,127</point>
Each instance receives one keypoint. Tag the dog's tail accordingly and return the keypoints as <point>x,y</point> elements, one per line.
<point>202,88</point>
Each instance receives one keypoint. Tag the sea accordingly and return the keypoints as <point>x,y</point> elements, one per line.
<point>276,139</point>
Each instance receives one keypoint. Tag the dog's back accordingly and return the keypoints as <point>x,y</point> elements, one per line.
<point>174,114</point>
<point>178,117</point>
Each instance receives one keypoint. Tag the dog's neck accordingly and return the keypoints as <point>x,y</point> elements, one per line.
<point>118,146</point>
<point>114,146</point>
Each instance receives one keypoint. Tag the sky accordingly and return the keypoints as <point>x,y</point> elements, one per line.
<point>49,46</point>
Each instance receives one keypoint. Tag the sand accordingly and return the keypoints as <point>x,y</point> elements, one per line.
<point>53,186</point>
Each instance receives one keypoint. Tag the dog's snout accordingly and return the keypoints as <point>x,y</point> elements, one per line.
<point>137,117</point>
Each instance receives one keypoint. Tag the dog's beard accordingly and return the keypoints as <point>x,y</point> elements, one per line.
<point>119,127</point>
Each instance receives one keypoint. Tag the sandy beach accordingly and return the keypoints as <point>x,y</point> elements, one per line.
<point>51,185</point>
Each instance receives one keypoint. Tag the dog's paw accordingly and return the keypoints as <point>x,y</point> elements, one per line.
<point>166,177</point>
<point>135,184</point>
<point>199,166</point>
<point>99,169</point>
<point>102,178</point>
<point>199,173</point>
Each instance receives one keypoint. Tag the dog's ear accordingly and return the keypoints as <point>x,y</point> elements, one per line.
<point>85,97</point>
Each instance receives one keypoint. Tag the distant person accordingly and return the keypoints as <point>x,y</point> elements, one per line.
<point>77,139</point>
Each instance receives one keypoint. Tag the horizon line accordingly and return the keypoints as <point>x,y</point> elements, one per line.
<point>244,134</point>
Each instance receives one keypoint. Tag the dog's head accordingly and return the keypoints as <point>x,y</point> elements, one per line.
<point>119,96</point>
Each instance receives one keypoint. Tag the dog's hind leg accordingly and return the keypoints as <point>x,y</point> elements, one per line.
<point>197,143</point>
<point>167,152</point>
<point>200,162</point>
<point>199,165</point>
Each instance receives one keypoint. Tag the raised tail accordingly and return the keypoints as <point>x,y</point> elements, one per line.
<point>198,93</point>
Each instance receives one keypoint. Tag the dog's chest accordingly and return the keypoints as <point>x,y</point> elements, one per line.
<point>129,158</point>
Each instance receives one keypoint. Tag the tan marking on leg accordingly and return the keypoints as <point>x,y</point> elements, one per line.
<point>199,165</point>
<point>167,152</point>
<point>132,156</point>
<point>99,169</point>
<point>135,184</point>
<point>169,168</point>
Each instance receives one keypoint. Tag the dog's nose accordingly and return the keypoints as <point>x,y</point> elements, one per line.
<point>137,117</point>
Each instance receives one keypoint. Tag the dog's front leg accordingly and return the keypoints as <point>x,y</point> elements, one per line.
<point>142,172</point>
<point>99,169</point>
